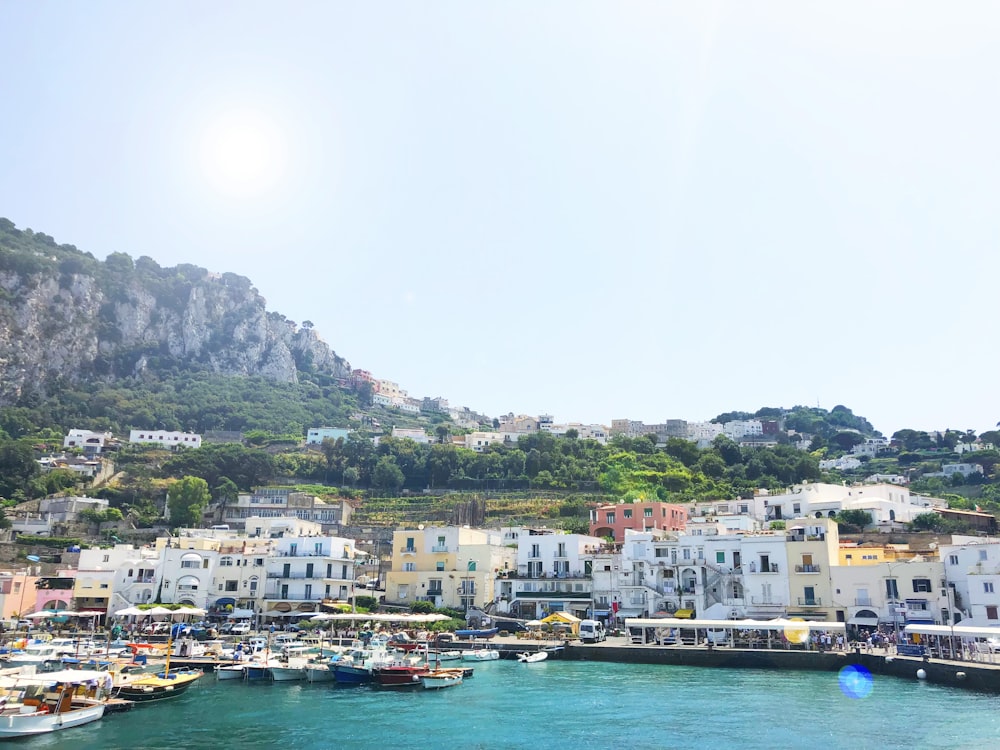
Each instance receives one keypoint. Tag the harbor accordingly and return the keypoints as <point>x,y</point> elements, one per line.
<point>589,704</point>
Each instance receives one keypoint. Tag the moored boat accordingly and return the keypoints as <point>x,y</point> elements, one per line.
<point>400,675</point>
<point>481,654</point>
<point>145,688</point>
<point>441,678</point>
<point>49,702</point>
<point>531,658</point>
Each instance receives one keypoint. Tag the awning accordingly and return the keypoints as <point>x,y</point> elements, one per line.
<point>602,612</point>
<point>868,622</point>
<point>920,621</point>
<point>684,614</point>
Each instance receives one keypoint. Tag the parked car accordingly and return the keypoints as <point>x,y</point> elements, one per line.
<point>240,628</point>
<point>511,626</point>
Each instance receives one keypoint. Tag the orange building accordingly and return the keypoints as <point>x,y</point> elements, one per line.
<point>612,520</point>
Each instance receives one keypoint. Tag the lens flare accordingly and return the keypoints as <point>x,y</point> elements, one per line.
<point>856,681</point>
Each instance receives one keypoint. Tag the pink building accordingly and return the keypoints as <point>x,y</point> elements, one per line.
<point>56,592</point>
<point>17,594</point>
<point>612,520</point>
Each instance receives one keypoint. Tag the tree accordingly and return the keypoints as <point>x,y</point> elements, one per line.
<point>927,522</point>
<point>854,519</point>
<point>387,474</point>
<point>442,431</point>
<point>572,433</point>
<point>187,499</point>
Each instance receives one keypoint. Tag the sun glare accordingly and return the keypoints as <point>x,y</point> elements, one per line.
<point>242,154</point>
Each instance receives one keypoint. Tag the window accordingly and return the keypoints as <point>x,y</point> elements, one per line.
<point>720,557</point>
<point>403,591</point>
<point>891,590</point>
<point>647,512</point>
<point>561,551</point>
<point>226,562</point>
<point>987,587</point>
<point>921,585</point>
<point>232,585</point>
<point>627,513</point>
<point>982,554</point>
<point>409,567</point>
<point>439,565</point>
<point>258,562</point>
<point>309,591</point>
<point>609,517</point>
<point>318,548</point>
<point>953,559</point>
<point>991,613</point>
<point>107,558</point>
<point>534,551</point>
<point>686,553</point>
<point>409,544</point>
<point>253,585</point>
<point>796,507</point>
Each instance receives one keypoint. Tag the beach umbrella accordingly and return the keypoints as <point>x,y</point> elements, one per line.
<point>43,613</point>
<point>534,623</point>
<point>195,611</point>
<point>158,611</point>
<point>129,612</point>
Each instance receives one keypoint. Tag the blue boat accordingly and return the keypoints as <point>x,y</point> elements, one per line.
<point>350,674</point>
<point>477,633</point>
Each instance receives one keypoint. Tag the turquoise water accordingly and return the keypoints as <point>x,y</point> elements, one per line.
<point>566,705</point>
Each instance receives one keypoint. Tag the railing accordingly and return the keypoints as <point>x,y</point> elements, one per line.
<point>436,548</point>
<point>293,575</point>
<point>408,550</point>
<point>764,602</point>
<point>807,568</point>
<point>435,592</point>
<point>805,601</point>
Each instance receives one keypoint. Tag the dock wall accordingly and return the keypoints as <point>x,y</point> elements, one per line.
<point>985,678</point>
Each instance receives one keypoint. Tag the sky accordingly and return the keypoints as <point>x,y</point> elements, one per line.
<point>596,210</point>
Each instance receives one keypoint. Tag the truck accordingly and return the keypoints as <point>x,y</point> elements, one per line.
<point>592,631</point>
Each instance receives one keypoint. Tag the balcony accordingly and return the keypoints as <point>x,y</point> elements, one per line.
<point>760,601</point>
<point>807,569</point>
<point>293,575</point>
<point>553,595</point>
<point>407,550</point>
<point>439,549</point>
<point>769,568</point>
<point>435,592</point>
<point>807,601</point>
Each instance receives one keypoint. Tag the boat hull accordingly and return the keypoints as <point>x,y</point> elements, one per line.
<point>441,679</point>
<point>398,677</point>
<point>287,674</point>
<point>155,688</point>
<point>27,725</point>
<point>347,675</point>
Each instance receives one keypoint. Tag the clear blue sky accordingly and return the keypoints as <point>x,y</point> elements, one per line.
<point>597,210</point>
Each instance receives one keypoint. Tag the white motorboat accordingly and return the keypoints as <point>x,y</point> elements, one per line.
<point>316,672</point>
<point>45,703</point>
<point>40,653</point>
<point>481,654</point>
<point>229,672</point>
<point>531,658</point>
<point>290,671</point>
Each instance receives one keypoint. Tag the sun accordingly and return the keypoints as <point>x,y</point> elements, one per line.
<point>242,153</point>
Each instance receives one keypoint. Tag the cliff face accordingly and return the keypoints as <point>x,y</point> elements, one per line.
<point>66,315</point>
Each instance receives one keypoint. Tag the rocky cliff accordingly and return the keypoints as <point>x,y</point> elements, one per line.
<point>65,316</point>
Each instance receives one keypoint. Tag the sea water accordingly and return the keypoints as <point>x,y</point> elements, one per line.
<point>561,704</point>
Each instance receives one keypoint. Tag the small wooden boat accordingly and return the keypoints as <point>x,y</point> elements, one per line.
<point>531,658</point>
<point>441,678</point>
<point>229,672</point>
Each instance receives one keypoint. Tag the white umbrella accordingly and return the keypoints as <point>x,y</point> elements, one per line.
<point>158,611</point>
<point>534,623</point>
<point>89,614</point>
<point>129,612</point>
<point>189,611</point>
<point>43,613</point>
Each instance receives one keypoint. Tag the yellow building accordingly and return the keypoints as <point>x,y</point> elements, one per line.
<point>449,566</point>
<point>851,553</point>
<point>811,546</point>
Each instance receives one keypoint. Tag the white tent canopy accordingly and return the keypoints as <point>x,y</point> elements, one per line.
<point>777,624</point>
<point>964,631</point>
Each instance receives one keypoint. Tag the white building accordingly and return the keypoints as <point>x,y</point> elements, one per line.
<point>165,438</point>
<point>888,505</point>
<point>304,571</point>
<point>897,593</point>
<point>844,463</point>
<point>416,434</point>
<point>741,428</point>
<point>972,569</point>
<point>871,446</point>
<point>92,443</point>
<point>316,435</point>
<point>553,575</point>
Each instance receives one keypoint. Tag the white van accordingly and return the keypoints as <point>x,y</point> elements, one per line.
<point>592,631</point>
